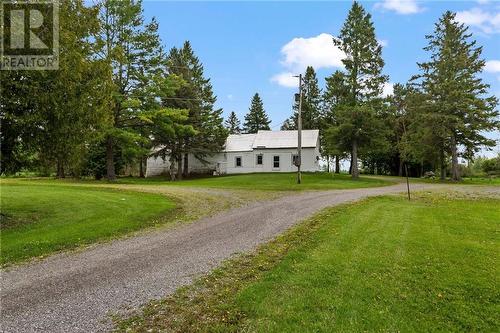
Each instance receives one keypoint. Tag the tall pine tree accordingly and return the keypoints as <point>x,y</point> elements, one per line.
<point>133,51</point>
<point>334,97</point>
<point>233,124</point>
<point>197,96</point>
<point>311,103</point>
<point>256,119</point>
<point>457,106</point>
<point>397,117</point>
<point>357,122</point>
<point>167,126</point>
<point>288,125</point>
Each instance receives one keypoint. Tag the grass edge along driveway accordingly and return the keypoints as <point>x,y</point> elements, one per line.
<point>41,219</point>
<point>376,265</point>
<point>271,181</point>
<point>42,216</point>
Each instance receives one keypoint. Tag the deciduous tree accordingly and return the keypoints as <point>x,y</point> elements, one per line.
<point>51,115</point>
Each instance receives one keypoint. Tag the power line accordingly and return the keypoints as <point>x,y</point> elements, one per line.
<point>146,95</point>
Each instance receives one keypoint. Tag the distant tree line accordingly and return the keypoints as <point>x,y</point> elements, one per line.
<point>426,124</point>
<point>120,97</point>
<point>117,95</point>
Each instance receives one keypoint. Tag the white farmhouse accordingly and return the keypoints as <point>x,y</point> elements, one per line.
<point>265,151</point>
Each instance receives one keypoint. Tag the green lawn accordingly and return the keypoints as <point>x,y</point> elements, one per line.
<point>38,219</point>
<point>487,181</point>
<point>384,264</point>
<point>272,181</point>
<point>466,181</point>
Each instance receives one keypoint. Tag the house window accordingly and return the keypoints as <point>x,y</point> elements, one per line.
<point>260,159</point>
<point>238,161</point>
<point>295,159</point>
<point>276,162</point>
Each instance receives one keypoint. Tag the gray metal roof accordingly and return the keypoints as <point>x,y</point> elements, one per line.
<point>271,140</point>
<point>239,142</point>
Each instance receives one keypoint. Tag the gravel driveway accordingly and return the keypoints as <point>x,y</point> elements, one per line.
<point>74,292</point>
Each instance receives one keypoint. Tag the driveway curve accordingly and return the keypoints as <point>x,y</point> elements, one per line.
<point>75,292</point>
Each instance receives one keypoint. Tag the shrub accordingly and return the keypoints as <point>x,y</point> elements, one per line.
<point>492,166</point>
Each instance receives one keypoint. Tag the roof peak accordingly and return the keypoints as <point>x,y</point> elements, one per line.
<point>304,130</point>
<point>271,139</point>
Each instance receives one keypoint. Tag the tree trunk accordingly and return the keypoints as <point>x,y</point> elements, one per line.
<point>141,167</point>
<point>110,160</point>
<point>337,164</point>
<point>455,171</point>
<point>186,165</point>
<point>172,167</point>
<point>443,166</point>
<point>60,169</point>
<point>350,166</point>
<point>328,163</point>
<point>179,167</point>
<point>354,158</point>
<point>400,169</point>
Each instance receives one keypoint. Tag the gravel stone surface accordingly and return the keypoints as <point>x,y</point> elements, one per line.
<point>76,292</point>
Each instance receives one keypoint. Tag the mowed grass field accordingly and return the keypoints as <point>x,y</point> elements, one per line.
<point>272,181</point>
<point>383,264</point>
<point>39,219</point>
<point>487,181</point>
<point>42,216</point>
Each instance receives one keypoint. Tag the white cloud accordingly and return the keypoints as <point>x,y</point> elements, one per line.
<point>286,79</point>
<point>388,89</point>
<point>486,21</point>
<point>492,66</point>
<point>404,7</point>
<point>318,52</point>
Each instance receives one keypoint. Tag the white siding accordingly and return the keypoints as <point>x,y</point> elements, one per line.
<point>249,160</point>
<point>241,146</point>
<point>156,166</point>
<point>197,166</point>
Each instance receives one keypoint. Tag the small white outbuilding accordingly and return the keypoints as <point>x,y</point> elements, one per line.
<point>264,151</point>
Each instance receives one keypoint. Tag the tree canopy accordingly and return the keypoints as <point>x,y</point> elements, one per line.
<point>256,119</point>
<point>120,97</point>
<point>356,128</point>
<point>456,108</point>
<point>233,124</point>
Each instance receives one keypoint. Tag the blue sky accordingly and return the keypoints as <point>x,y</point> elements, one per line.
<point>249,47</point>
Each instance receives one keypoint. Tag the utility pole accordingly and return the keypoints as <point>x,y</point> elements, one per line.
<point>299,132</point>
<point>406,166</point>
